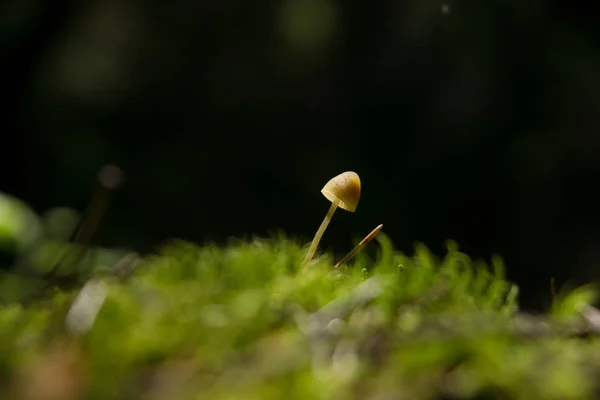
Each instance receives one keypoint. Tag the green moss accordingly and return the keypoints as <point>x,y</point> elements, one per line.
<point>243,321</point>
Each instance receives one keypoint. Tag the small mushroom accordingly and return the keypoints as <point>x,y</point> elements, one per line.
<point>343,191</point>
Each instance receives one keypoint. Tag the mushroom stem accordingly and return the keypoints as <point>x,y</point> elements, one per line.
<point>315,242</point>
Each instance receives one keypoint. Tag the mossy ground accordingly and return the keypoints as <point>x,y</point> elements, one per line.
<point>244,321</point>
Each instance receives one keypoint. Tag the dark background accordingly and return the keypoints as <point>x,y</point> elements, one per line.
<point>471,120</point>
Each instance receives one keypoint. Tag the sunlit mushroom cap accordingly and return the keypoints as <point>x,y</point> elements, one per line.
<point>345,188</point>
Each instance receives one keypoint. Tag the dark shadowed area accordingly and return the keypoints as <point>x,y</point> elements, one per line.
<point>470,120</point>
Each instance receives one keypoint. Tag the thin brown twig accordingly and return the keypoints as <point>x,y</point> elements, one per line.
<point>110,177</point>
<point>359,246</point>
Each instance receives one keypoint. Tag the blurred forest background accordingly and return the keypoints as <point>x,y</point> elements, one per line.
<point>470,120</point>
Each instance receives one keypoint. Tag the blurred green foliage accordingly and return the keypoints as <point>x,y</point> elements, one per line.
<point>245,321</point>
<point>19,225</point>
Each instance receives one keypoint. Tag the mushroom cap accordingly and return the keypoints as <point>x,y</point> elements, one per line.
<point>345,188</point>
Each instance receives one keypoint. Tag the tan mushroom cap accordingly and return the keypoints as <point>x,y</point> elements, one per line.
<point>345,188</point>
